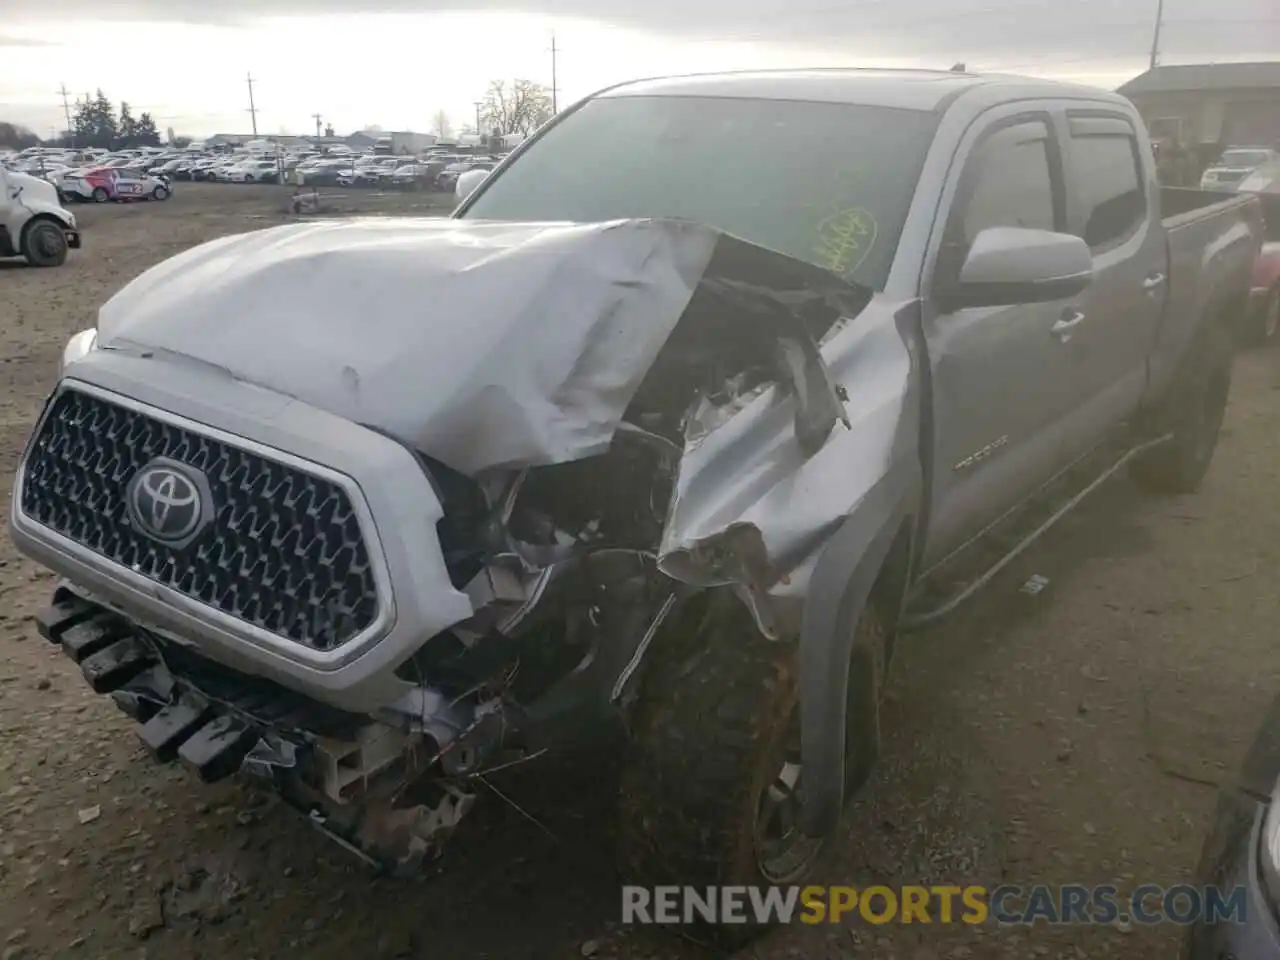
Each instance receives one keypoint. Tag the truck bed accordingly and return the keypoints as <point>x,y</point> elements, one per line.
<point>1181,205</point>
<point>1270,203</point>
<point>1213,239</point>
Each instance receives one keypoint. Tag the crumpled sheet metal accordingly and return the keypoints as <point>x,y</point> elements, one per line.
<point>484,345</point>
<point>750,508</point>
<point>491,345</point>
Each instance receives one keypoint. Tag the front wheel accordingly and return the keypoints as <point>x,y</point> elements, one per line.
<point>100,195</point>
<point>1194,413</point>
<point>160,193</point>
<point>713,783</point>
<point>44,244</point>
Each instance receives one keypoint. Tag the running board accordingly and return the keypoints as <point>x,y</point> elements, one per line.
<point>915,619</point>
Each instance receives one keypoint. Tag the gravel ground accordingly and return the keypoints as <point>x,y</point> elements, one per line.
<point>1062,738</point>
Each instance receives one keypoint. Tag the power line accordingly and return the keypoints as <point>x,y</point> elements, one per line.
<point>253,110</point>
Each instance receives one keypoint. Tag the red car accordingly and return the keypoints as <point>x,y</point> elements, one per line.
<point>110,183</point>
<point>1264,303</point>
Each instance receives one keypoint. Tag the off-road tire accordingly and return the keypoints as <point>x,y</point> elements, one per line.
<point>160,193</point>
<point>100,195</point>
<point>1193,413</point>
<point>44,244</point>
<point>715,711</point>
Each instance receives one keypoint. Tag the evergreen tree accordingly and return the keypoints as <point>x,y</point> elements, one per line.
<point>94,122</point>
<point>145,133</point>
<point>127,128</point>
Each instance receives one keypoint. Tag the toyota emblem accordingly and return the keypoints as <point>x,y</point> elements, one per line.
<point>168,501</point>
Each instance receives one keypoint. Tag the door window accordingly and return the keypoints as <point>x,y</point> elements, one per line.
<point>1012,185</point>
<point>1009,181</point>
<point>1109,187</point>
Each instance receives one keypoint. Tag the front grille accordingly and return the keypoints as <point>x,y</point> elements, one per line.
<point>282,551</point>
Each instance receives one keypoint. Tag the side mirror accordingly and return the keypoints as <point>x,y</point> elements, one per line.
<point>467,183</point>
<point>1010,265</point>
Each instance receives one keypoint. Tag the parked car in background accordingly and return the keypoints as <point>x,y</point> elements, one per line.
<point>1266,179</point>
<point>208,168</point>
<point>1234,166</point>
<point>329,171</point>
<point>254,171</point>
<point>103,184</point>
<point>421,175</point>
<point>33,222</point>
<point>448,178</point>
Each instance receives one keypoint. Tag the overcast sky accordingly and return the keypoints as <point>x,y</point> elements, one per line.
<point>394,64</point>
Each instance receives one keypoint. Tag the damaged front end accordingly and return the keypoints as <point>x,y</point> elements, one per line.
<point>598,463</point>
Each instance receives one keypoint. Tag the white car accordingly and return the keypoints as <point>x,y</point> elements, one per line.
<point>253,171</point>
<point>1234,166</point>
<point>33,224</point>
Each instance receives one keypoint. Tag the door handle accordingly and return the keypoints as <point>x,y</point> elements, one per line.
<point>1070,320</point>
<point>1153,281</point>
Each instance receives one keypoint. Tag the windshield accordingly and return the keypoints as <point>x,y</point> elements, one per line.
<point>1244,158</point>
<point>823,182</point>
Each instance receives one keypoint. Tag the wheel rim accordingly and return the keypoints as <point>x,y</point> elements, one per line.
<point>783,852</point>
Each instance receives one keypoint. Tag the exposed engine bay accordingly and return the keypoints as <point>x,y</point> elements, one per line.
<point>561,561</point>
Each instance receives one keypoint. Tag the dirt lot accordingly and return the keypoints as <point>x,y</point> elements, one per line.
<point>1034,740</point>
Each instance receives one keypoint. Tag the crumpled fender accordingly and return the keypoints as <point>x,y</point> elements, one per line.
<point>802,537</point>
<point>839,590</point>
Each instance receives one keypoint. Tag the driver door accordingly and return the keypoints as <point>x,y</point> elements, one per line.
<point>1004,381</point>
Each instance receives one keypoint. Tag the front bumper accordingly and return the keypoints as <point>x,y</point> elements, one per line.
<point>212,723</point>
<point>343,774</point>
<point>386,483</point>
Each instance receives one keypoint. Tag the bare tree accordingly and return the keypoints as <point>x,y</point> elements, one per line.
<point>521,107</point>
<point>441,125</point>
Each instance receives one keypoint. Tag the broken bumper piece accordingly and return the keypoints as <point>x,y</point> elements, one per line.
<point>115,659</point>
<point>321,761</point>
<point>177,722</point>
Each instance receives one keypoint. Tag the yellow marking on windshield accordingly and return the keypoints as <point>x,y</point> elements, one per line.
<point>845,238</point>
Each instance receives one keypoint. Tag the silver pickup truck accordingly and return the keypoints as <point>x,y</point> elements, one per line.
<point>674,444</point>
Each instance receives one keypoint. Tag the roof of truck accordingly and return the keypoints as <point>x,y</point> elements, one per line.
<point>904,89</point>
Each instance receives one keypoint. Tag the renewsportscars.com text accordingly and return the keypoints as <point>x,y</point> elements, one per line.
<point>1007,904</point>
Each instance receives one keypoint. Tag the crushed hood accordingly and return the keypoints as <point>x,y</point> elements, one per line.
<point>481,344</point>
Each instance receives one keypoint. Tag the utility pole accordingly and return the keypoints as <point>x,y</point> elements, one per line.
<point>1155,39</point>
<point>478,105</point>
<point>317,118</point>
<point>554,88</point>
<point>253,110</point>
<point>66,112</point>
